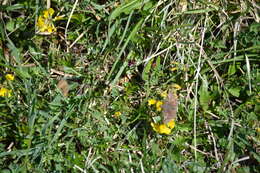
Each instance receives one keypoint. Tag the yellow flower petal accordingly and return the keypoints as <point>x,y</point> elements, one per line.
<point>43,29</point>
<point>45,25</point>
<point>161,128</point>
<point>5,92</point>
<point>158,105</point>
<point>45,14</point>
<point>155,127</point>
<point>51,11</point>
<point>171,124</point>
<point>159,109</point>
<point>117,114</point>
<point>48,13</point>
<point>151,102</point>
<point>40,21</point>
<point>9,77</point>
<point>164,94</point>
<point>176,86</point>
<point>51,28</point>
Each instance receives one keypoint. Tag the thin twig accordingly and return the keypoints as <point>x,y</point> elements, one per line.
<point>79,37</point>
<point>48,4</point>
<point>236,29</point>
<point>214,144</point>
<point>131,162</point>
<point>79,168</point>
<point>142,167</point>
<point>61,73</point>
<point>159,53</point>
<point>196,89</point>
<point>195,149</point>
<point>248,73</point>
<point>240,160</point>
<point>67,25</point>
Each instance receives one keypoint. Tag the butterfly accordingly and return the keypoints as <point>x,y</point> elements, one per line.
<point>170,107</point>
<point>64,87</point>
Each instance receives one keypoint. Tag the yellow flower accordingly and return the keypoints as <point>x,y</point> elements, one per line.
<point>151,102</point>
<point>159,105</point>
<point>163,128</point>
<point>164,94</point>
<point>48,13</point>
<point>5,92</point>
<point>173,69</point>
<point>117,114</point>
<point>51,28</point>
<point>171,124</point>
<point>176,86</point>
<point>9,77</point>
<point>258,130</point>
<point>41,23</point>
<point>45,22</point>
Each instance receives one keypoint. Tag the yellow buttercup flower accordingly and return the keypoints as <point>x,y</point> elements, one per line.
<point>117,114</point>
<point>163,128</point>
<point>5,92</point>
<point>48,13</point>
<point>171,124</point>
<point>159,105</point>
<point>151,102</point>
<point>9,77</point>
<point>44,23</point>
<point>258,130</point>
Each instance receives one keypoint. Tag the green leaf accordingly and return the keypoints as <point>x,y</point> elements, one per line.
<point>147,68</point>
<point>78,17</point>
<point>11,7</point>
<point>131,35</point>
<point>127,8</point>
<point>234,91</point>
<point>122,68</point>
<point>231,69</point>
<point>2,31</point>
<point>10,26</point>
<point>180,140</point>
<point>255,27</point>
<point>158,64</point>
<point>184,127</point>
<point>244,169</point>
<point>204,95</point>
<point>256,156</point>
<point>148,5</point>
<point>15,52</point>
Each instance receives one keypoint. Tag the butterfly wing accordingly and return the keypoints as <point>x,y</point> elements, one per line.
<point>64,87</point>
<point>169,108</point>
